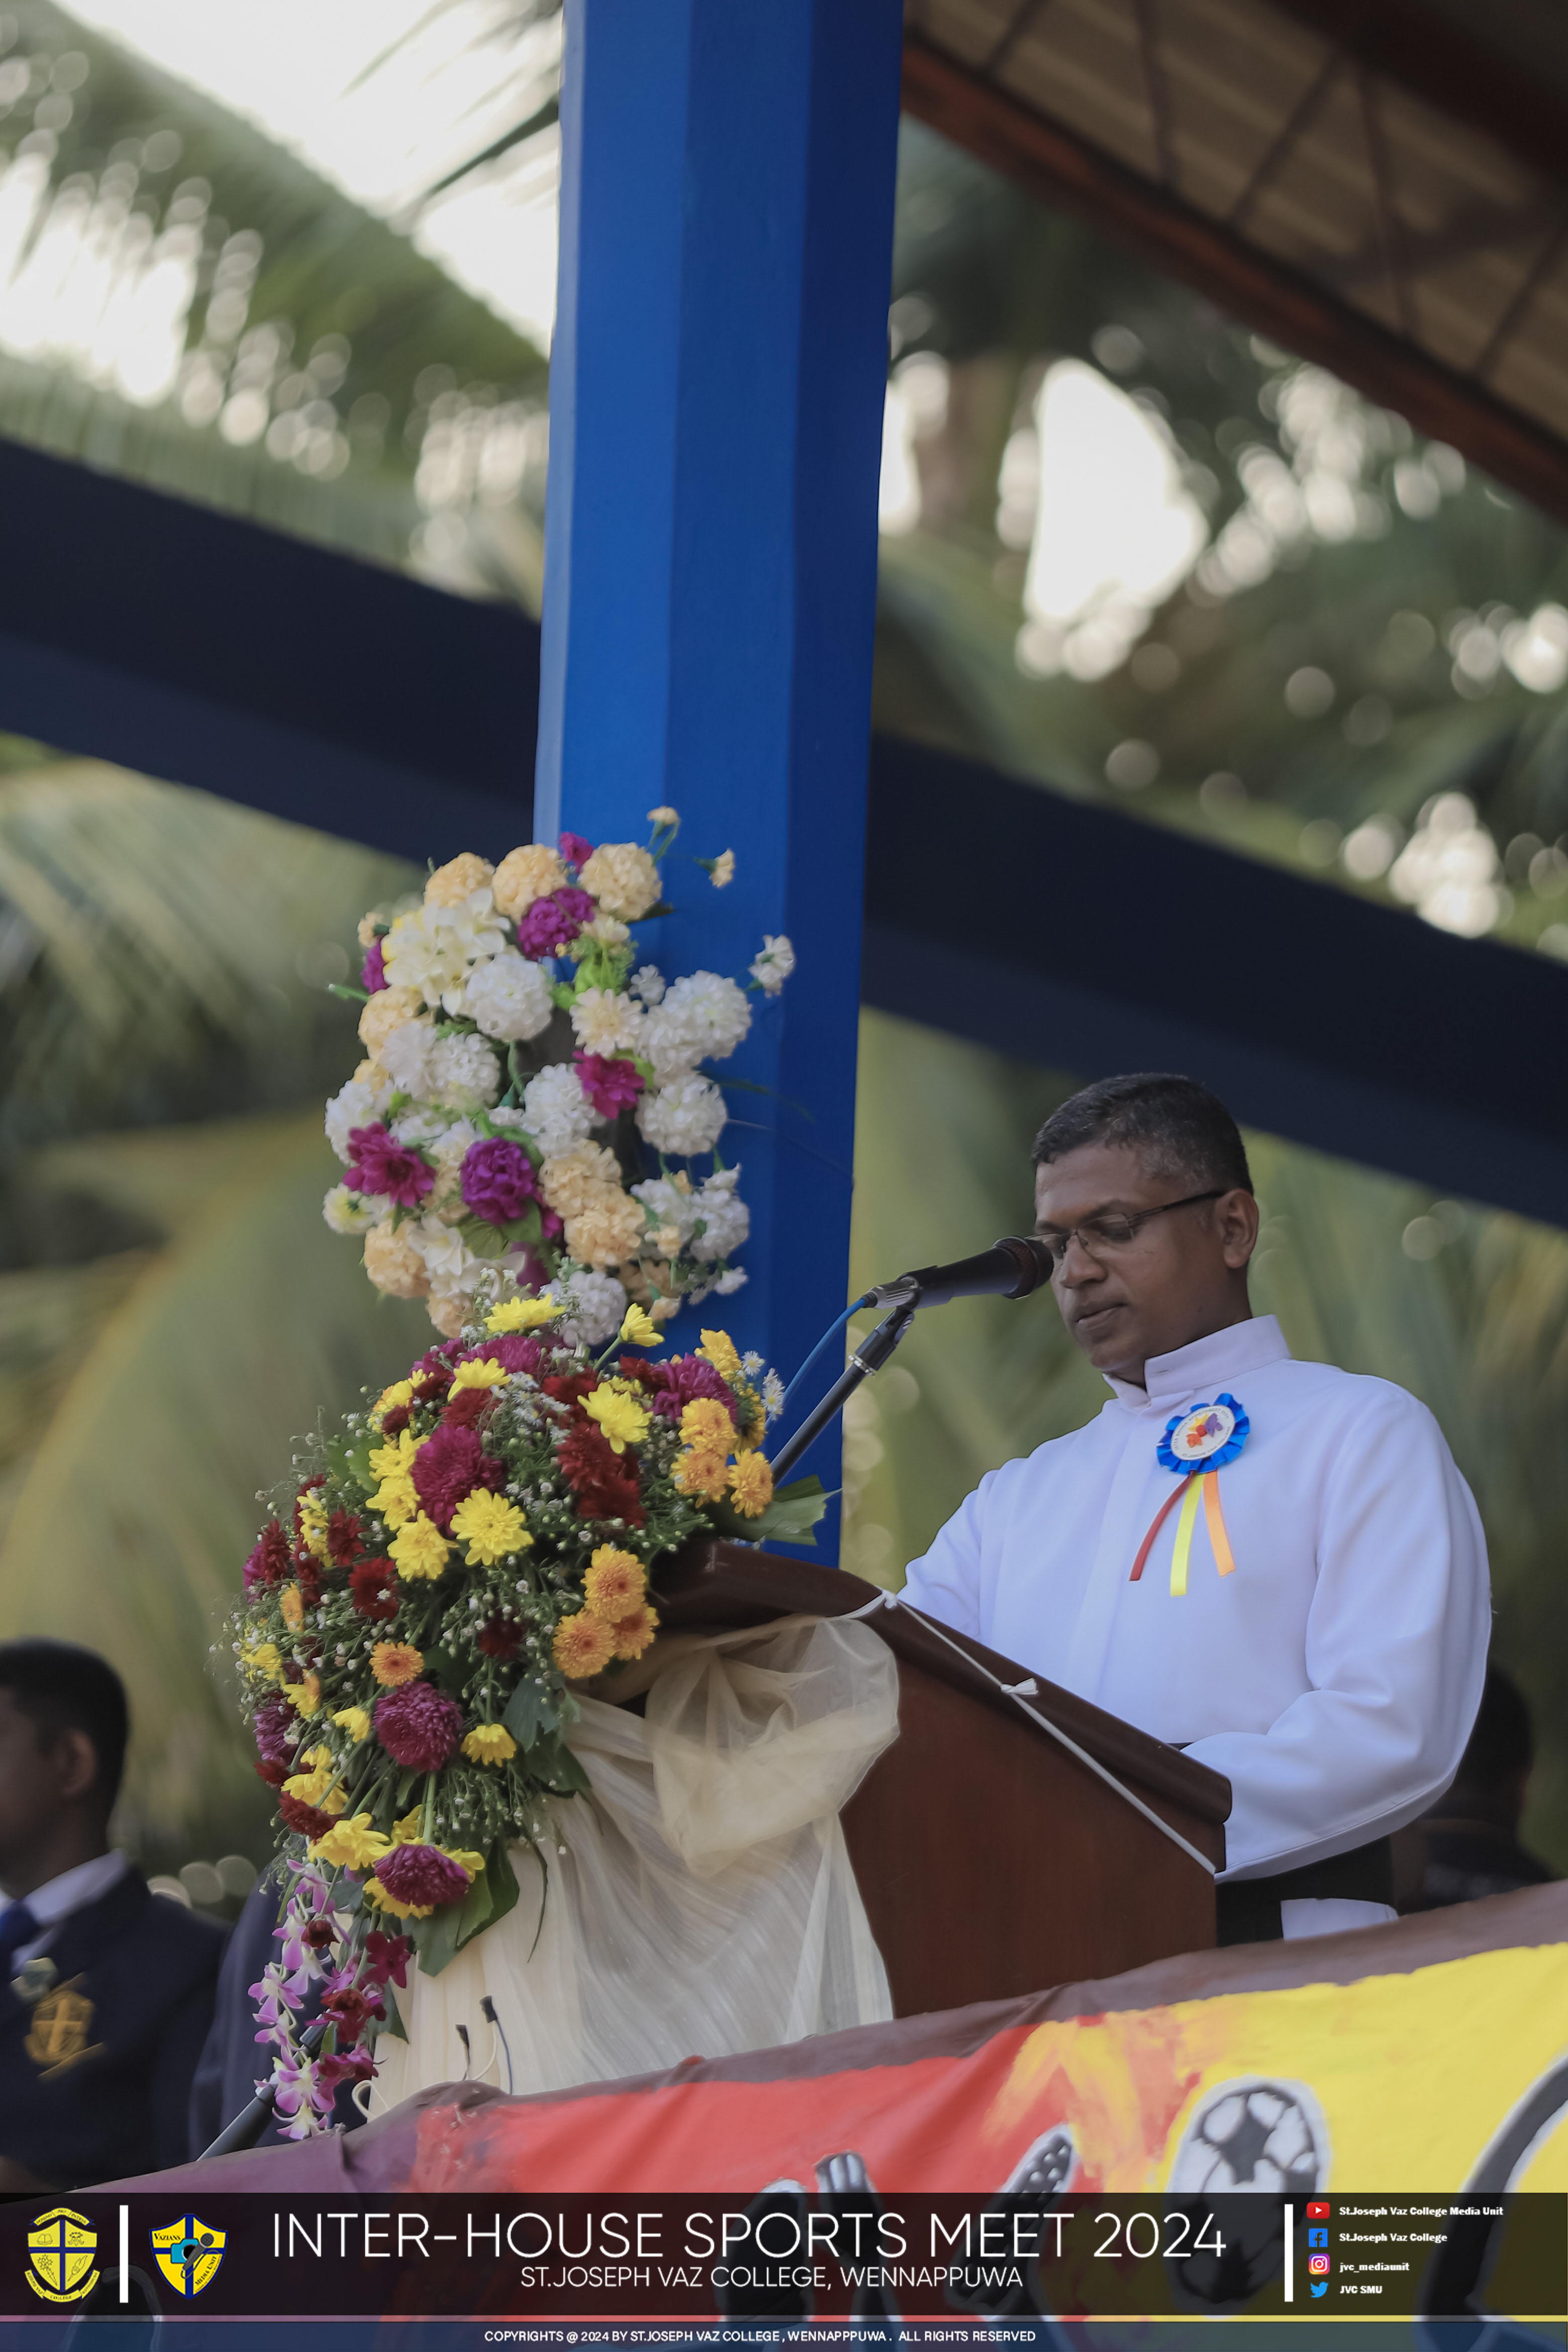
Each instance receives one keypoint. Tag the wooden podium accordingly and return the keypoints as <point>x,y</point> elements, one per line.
<point>991,1859</point>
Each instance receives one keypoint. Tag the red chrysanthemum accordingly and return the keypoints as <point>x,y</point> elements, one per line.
<point>301,1816</point>
<point>467,1407</point>
<point>373,1589</point>
<point>395,1417</point>
<point>273,1774</point>
<point>343,1534</point>
<point>418,1727</point>
<point>448,1466</point>
<point>604,1483</point>
<point>685,1378</point>
<point>422,1874</point>
<point>308,1575</point>
<point>499,1637</point>
<point>269,1560</point>
<point>570,1387</point>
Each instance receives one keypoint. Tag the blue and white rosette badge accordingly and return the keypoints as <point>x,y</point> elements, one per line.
<point>1196,1446</point>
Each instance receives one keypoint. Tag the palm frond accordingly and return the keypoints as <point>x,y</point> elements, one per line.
<point>183,1399</point>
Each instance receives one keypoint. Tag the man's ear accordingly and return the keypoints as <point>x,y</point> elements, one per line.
<point>1237,1212</point>
<point>77,1763</point>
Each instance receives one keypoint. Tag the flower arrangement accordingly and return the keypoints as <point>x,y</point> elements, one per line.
<point>455,1559</point>
<point>530,1093</point>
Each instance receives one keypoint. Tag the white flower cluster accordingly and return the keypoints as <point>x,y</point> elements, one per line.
<point>519,1062</point>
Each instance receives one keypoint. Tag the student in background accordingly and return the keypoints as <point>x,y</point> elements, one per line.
<point>1468,1845</point>
<point>106,1990</point>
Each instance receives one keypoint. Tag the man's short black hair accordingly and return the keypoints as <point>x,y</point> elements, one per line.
<point>1176,1127</point>
<point>63,1688</point>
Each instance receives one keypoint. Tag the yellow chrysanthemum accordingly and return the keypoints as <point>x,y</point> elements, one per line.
<point>420,1550</point>
<point>489,1743</point>
<point>639,1329</point>
<point>400,1392</point>
<point>379,1898</point>
<point>472,1863</point>
<point>407,1831</point>
<point>751,1485</point>
<point>350,1845</point>
<point>615,1584</point>
<point>522,1314</point>
<point>722,1353</point>
<point>624,1420</point>
<point>397,1501</point>
<point>356,1722</point>
<point>634,1634</point>
<point>291,1603</point>
<point>702,1474</point>
<point>313,1523</point>
<point>394,1459</point>
<point>486,1375</point>
<point>706,1424</point>
<point>490,1527</point>
<point>583,1644</point>
<point>394,1664</point>
<point>313,1787</point>
<point>263,1659</point>
<point>305,1697</point>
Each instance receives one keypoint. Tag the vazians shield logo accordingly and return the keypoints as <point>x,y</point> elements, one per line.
<point>61,2247</point>
<point>188,2253</point>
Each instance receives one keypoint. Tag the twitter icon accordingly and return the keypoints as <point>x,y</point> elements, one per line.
<point>1319,2286</point>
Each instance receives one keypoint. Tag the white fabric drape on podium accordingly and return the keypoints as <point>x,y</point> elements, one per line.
<point>705,1903</point>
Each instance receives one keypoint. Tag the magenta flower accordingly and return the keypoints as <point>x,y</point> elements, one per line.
<point>448,1466</point>
<point>611,1085</point>
<point>372,972</point>
<point>574,849</point>
<point>514,1351</point>
<point>423,1875</point>
<point>550,923</point>
<point>496,1180</point>
<point>683,1379</point>
<point>273,1997</point>
<point>381,1164</point>
<point>418,1726</point>
<point>275,1730</point>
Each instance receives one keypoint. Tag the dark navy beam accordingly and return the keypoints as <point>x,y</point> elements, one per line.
<point>190,645</point>
<point>1076,937</point>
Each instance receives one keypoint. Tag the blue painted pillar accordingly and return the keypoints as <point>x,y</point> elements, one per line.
<point>715,417</point>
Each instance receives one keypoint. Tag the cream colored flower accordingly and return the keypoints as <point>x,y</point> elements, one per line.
<point>606,1230</point>
<point>606,1022</point>
<point>432,947</point>
<point>393,1265</point>
<point>572,1178</point>
<point>458,879</point>
<point>722,872</point>
<point>624,879</point>
<point>387,1010</point>
<point>449,1312</point>
<point>526,875</point>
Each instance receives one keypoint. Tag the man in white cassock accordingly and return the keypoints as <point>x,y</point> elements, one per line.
<point>1273,1565</point>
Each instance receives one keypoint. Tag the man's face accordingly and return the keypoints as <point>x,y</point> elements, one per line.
<point>38,1779</point>
<point>1181,1276</point>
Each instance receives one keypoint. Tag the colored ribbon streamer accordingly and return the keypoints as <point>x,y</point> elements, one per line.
<point>1197,1484</point>
<point>1190,1490</point>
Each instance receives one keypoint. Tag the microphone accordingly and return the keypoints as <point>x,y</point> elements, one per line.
<point>1009,1269</point>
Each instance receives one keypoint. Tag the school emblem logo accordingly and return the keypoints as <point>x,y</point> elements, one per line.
<point>1203,1432</point>
<point>57,2036</point>
<point>188,2253</point>
<point>62,2247</point>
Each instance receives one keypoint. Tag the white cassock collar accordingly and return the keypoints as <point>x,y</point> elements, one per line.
<point>1207,1363</point>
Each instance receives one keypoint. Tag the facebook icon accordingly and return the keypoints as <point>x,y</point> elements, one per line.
<point>1317,2237</point>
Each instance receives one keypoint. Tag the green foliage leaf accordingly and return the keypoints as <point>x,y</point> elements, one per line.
<point>500,1884</point>
<point>790,1518</point>
<point>532,1714</point>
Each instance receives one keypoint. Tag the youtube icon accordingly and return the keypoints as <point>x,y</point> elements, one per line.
<point>1317,2211</point>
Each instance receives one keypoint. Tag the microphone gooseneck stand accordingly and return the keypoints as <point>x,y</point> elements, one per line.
<point>1011,1269</point>
<point>250,2123</point>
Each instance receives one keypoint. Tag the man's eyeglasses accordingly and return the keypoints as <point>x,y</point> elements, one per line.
<point>1111,1230</point>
